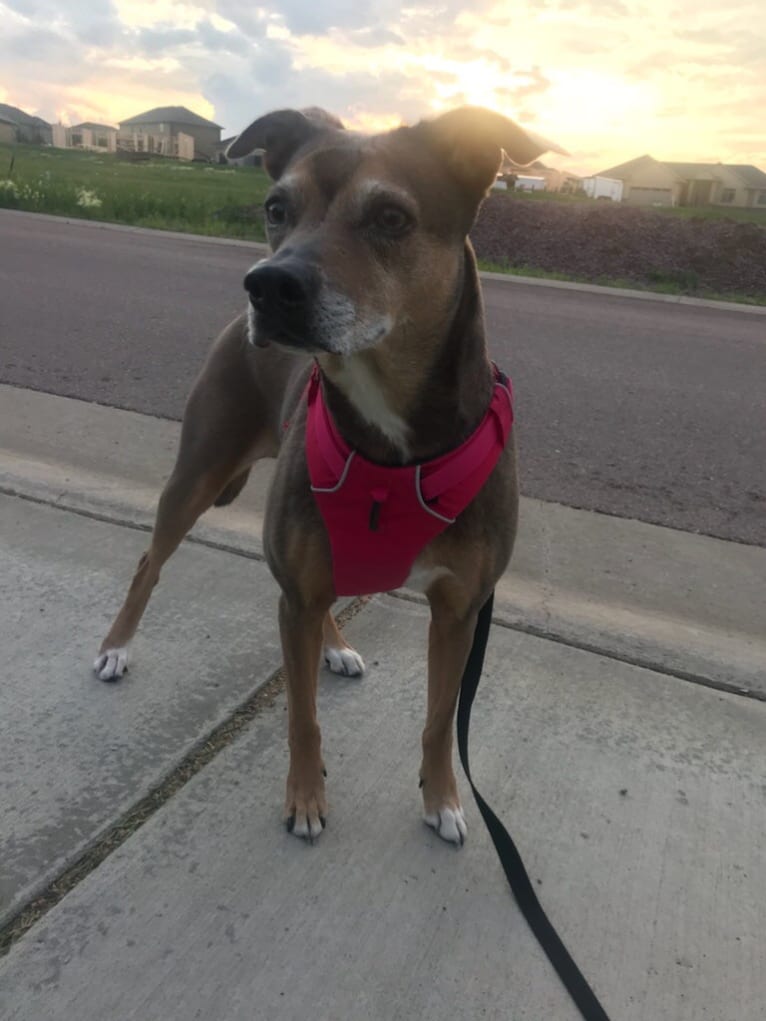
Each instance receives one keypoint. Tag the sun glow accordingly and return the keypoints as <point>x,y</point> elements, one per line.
<point>103,101</point>
<point>476,82</point>
<point>607,80</point>
<point>588,101</point>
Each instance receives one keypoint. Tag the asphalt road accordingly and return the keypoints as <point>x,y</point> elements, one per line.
<point>642,409</point>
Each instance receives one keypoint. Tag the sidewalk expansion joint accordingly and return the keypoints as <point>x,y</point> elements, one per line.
<point>644,662</point>
<point>204,750</point>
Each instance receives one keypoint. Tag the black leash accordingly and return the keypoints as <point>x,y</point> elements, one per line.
<point>571,976</point>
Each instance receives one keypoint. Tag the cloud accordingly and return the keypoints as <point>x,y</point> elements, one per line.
<point>215,41</point>
<point>467,52</point>
<point>601,8</point>
<point>34,54</point>
<point>608,77</point>
<point>204,37</point>
<point>95,22</point>
<point>246,98</point>
<point>317,18</point>
<point>32,46</point>
<point>531,83</point>
<point>373,37</point>
<point>409,19</point>
<point>250,20</point>
<point>153,41</point>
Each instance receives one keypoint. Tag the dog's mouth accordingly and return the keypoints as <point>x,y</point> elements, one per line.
<point>264,330</point>
<point>334,327</point>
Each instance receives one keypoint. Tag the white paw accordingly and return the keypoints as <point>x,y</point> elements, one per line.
<point>449,823</point>
<point>111,664</point>
<point>344,661</point>
<point>306,827</point>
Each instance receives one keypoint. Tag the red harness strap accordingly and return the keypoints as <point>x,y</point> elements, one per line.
<point>379,518</point>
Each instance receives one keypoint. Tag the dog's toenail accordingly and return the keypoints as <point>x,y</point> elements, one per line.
<point>323,821</point>
<point>290,823</point>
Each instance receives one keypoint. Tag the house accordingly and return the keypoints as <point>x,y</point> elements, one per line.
<point>33,130</point>
<point>7,131</point>
<point>652,182</point>
<point>101,137</point>
<point>526,182</point>
<point>555,180</point>
<point>170,131</point>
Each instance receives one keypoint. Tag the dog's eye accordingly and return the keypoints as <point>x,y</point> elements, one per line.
<point>392,220</point>
<point>276,212</point>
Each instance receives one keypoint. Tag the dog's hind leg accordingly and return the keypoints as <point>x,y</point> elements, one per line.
<point>338,654</point>
<point>232,489</point>
<point>186,496</point>
<point>230,421</point>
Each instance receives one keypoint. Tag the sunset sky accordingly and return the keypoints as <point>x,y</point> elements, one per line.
<point>607,79</point>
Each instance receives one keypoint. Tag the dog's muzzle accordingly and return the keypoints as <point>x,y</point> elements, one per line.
<point>283,296</point>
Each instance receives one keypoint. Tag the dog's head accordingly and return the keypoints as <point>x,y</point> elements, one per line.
<point>368,232</point>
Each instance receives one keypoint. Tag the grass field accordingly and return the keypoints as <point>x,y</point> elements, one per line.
<point>222,201</point>
<point>166,194</point>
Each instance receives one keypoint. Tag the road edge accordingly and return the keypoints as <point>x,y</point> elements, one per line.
<point>261,249</point>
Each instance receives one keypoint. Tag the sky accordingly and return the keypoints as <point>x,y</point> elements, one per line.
<point>608,80</point>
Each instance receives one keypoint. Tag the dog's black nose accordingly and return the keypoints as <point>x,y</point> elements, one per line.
<point>278,290</point>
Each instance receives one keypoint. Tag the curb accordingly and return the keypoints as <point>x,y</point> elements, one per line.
<point>624,292</point>
<point>711,651</point>
<point>125,228</point>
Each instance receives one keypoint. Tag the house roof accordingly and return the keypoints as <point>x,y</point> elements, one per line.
<point>171,114</point>
<point>93,127</point>
<point>7,120</point>
<point>750,176</point>
<point>696,170</point>
<point>626,168</point>
<point>17,116</point>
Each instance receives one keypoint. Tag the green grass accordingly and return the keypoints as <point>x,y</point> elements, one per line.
<point>165,194</point>
<point>755,215</point>
<point>661,284</point>
<point>226,202</point>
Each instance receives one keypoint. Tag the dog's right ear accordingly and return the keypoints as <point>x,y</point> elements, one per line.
<point>471,141</point>
<point>280,134</point>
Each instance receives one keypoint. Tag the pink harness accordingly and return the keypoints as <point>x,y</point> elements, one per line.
<point>379,518</point>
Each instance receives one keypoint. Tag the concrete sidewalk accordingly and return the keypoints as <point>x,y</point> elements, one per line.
<point>636,795</point>
<point>659,597</point>
<point>75,753</point>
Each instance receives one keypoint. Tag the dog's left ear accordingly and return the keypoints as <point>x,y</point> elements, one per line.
<point>280,134</point>
<point>471,139</point>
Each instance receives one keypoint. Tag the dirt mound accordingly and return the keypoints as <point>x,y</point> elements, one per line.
<point>603,240</point>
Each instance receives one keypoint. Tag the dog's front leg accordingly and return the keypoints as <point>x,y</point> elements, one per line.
<point>449,643</point>
<point>300,627</point>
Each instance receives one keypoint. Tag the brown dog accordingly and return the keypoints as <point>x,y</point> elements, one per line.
<point>372,277</point>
